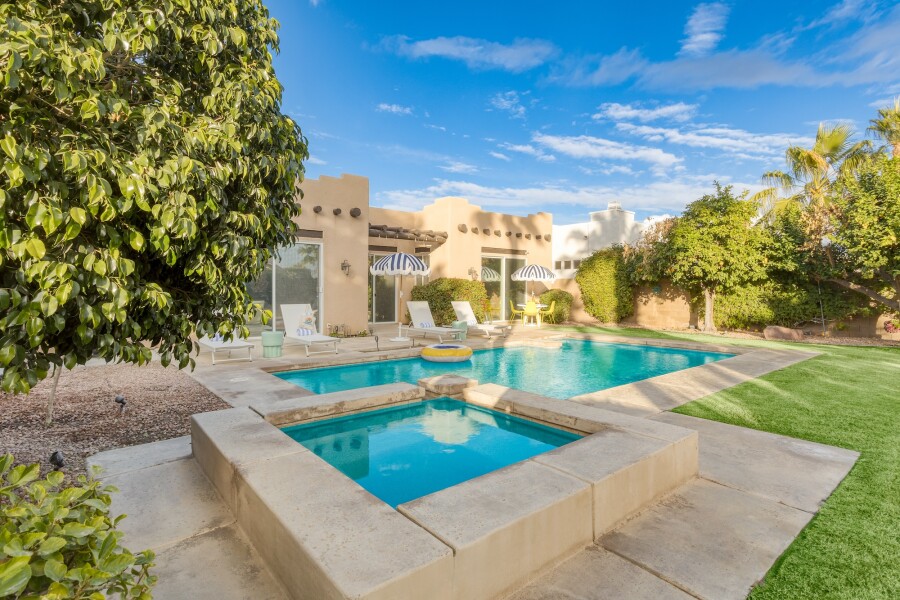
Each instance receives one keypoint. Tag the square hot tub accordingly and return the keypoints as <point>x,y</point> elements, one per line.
<point>472,526</point>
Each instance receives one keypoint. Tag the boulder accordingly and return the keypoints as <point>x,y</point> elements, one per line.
<point>774,332</point>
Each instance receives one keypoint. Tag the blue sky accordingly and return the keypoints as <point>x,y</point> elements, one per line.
<point>527,106</point>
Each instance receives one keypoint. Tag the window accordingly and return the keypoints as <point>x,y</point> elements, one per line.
<point>567,264</point>
<point>576,264</point>
<point>558,265</point>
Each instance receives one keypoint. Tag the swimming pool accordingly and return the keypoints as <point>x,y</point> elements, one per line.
<point>578,367</point>
<point>402,453</point>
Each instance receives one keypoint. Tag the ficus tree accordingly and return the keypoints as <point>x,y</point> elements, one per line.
<point>715,246</point>
<point>146,173</point>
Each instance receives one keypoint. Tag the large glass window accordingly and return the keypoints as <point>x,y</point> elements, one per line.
<point>296,280</point>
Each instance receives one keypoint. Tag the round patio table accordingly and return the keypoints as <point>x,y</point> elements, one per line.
<point>539,306</point>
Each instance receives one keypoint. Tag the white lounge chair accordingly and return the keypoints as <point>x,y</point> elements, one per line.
<point>423,322</point>
<point>300,326</point>
<point>464,312</point>
<point>218,343</point>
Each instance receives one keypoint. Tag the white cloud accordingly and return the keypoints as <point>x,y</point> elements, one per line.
<point>611,69</point>
<point>314,3</point>
<point>529,150</point>
<point>437,127</point>
<point>845,12</point>
<point>509,102</point>
<point>458,167</point>
<point>395,109</point>
<point>500,155</point>
<point>568,203</point>
<point>316,161</point>
<point>608,170</point>
<point>704,29</point>
<point>520,55</point>
<point>586,146</point>
<point>726,139</point>
<point>628,112</point>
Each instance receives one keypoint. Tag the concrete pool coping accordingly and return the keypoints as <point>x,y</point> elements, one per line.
<point>468,541</point>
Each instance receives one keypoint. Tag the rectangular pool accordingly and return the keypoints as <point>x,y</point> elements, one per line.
<point>577,368</point>
<point>405,452</point>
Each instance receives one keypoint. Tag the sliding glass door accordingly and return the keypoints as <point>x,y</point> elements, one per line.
<point>501,289</point>
<point>296,279</point>
<point>382,296</point>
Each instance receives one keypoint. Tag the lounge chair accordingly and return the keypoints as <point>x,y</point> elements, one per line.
<point>300,326</point>
<point>464,312</point>
<point>219,343</point>
<point>423,322</point>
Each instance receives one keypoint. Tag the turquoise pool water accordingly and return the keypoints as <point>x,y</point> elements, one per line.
<point>406,452</point>
<point>578,367</point>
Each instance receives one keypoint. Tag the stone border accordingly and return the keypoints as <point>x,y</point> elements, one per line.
<point>324,536</point>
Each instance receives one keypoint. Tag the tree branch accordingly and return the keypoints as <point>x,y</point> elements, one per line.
<point>893,304</point>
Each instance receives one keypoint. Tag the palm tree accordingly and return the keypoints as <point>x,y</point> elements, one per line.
<point>887,126</point>
<point>811,171</point>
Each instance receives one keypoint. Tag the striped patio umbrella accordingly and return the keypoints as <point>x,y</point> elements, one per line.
<point>534,273</point>
<point>399,263</point>
<point>488,274</point>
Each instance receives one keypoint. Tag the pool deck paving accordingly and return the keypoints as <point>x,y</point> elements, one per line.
<point>713,537</point>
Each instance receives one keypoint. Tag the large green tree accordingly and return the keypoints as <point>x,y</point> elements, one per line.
<point>864,240</point>
<point>715,246</point>
<point>146,173</point>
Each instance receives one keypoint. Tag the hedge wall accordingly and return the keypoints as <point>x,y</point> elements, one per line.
<point>604,284</point>
<point>563,301</point>
<point>787,304</point>
<point>440,292</point>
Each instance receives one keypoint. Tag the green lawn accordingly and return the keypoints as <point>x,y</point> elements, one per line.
<point>847,397</point>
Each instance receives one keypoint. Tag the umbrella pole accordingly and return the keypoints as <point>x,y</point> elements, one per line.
<point>400,337</point>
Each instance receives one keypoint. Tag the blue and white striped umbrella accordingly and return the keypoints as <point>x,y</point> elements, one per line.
<point>399,263</point>
<point>488,274</point>
<point>534,273</point>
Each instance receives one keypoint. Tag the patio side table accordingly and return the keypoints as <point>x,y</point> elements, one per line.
<point>272,342</point>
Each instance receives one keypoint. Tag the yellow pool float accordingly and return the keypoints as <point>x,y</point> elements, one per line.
<point>446,353</point>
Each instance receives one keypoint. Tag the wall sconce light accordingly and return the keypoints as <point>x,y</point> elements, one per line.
<point>473,273</point>
<point>345,267</point>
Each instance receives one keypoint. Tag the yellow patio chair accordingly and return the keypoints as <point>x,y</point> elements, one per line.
<point>547,313</point>
<point>515,313</point>
<point>531,312</point>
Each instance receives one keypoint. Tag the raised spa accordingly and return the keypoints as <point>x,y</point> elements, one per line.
<point>577,367</point>
<point>405,452</point>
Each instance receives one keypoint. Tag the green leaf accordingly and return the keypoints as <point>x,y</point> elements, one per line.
<point>50,546</point>
<point>77,530</point>
<point>54,569</point>
<point>79,215</point>
<point>9,146</point>
<point>35,248</point>
<point>14,575</point>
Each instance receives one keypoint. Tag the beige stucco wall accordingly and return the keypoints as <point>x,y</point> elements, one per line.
<point>344,238</point>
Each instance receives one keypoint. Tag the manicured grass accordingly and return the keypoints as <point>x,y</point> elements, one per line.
<point>847,397</point>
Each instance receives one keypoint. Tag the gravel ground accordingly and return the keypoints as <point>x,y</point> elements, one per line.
<point>86,419</point>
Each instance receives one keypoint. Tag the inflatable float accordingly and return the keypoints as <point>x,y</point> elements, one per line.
<point>446,353</point>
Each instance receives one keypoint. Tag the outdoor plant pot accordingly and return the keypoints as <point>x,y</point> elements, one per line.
<point>272,341</point>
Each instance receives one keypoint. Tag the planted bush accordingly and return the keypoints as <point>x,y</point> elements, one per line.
<point>440,292</point>
<point>59,542</point>
<point>605,288</point>
<point>563,306</point>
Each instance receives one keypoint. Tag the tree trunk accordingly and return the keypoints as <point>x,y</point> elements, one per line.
<point>708,322</point>
<point>57,369</point>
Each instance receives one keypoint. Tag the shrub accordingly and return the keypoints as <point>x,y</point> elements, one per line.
<point>787,304</point>
<point>60,542</point>
<point>563,301</point>
<point>605,288</point>
<point>440,292</point>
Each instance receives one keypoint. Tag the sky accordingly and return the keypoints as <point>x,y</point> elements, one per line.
<point>563,107</point>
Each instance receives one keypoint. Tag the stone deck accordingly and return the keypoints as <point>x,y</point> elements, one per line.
<point>713,537</point>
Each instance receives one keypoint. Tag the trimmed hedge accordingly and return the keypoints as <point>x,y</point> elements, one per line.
<point>563,301</point>
<point>604,284</point>
<point>787,304</point>
<point>440,292</point>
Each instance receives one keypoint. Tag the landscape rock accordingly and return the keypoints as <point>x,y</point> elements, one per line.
<point>774,332</point>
